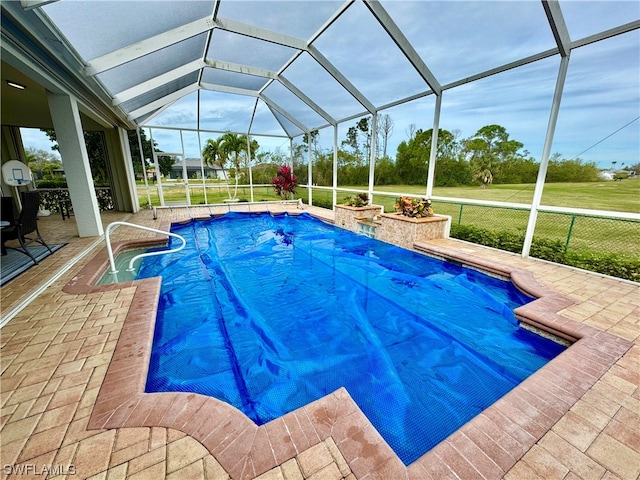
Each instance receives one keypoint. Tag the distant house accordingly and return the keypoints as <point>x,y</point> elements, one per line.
<point>58,172</point>
<point>606,175</point>
<point>616,174</point>
<point>194,170</point>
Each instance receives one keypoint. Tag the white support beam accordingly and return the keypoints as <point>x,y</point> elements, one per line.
<point>156,167</point>
<point>431,174</point>
<point>546,151</point>
<point>158,81</point>
<point>31,4</point>
<point>130,175</point>
<point>309,169</point>
<point>185,175</point>
<point>143,164</point>
<point>612,32</point>
<point>502,68</point>
<point>283,112</point>
<point>298,93</point>
<point>558,26</point>
<point>260,33</point>
<point>373,155</point>
<point>68,128</point>
<point>282,125</point>
<point>253,116</point>
<point>161,102</point>
<point>405,100</point>
<point>240,68</point>
<point>334,168</point>
<point>403,44</point>
<point>146,119</point>
<point>149,45</point>
<point>341,79</point>
<point>249,156</point>
<point>334,16</point>
<point>226,89</point>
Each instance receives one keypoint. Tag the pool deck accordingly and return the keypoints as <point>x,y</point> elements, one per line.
<point>72,359</point>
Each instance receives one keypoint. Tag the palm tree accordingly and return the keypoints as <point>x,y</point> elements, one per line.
<point>232,146</point>
<point>214,155</point>
<point>227,152</point>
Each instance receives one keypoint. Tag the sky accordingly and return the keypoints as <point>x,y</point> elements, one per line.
<point>599,112</point>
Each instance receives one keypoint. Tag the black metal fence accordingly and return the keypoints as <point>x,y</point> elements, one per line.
<point>53,199</point>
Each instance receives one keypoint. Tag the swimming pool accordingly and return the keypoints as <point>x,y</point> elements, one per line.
<point>270,313</point>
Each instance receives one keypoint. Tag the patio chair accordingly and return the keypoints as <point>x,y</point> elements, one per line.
<point>7,216</point>
<point>26,224</point>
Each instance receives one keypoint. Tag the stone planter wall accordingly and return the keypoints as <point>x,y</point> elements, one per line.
<point>405,231</point>
<point>348,217</point>
<point>391,227</point>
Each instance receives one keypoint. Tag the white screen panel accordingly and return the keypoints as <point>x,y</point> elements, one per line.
<point>101,26</point>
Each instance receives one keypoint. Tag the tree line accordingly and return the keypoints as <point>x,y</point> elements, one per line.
<point>488,156</point>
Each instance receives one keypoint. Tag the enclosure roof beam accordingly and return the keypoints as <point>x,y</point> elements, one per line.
<point>240,68</point>
<point>298,93</point>
<point>162,102</point>
<point>558,26</point>
<point>325,26</point>
<point>156,82</point>
<point>260,33</point>
<point>273,105</point>
<point>227,89</point>
<point>145,119</point>
<point>282,125</point>
<point>503,68</point>
<point>31,4</point>
<point>341,79</point>
<point>149,45</point>
<point>403,44</point>
<point>612,32</point>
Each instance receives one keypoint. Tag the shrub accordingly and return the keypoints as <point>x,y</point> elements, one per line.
<point>285,182</point>
<point>621,266</point>
<point>52,183</point>
<point>323,203</point>
<point>359,200</point>
<point>412,207</point>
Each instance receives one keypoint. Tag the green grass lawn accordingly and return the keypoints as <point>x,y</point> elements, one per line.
<point>215,194</point>
<point>579,232</point>
<point>621,196</point>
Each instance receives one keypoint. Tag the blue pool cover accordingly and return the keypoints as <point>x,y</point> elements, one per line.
<point>269,313</point>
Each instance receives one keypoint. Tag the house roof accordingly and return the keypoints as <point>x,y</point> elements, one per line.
<point>193,163</point>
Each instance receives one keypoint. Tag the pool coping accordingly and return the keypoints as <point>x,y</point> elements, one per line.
<point>489,444</point>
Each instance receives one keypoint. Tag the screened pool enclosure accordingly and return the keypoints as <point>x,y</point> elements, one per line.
<point>306,82</point>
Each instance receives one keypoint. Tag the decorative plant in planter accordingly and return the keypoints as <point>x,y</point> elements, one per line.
<point>413,207</point>
<point>285,182</point>
<point>360,200</point>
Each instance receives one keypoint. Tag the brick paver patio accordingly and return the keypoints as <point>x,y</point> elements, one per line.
<point>58,392</point>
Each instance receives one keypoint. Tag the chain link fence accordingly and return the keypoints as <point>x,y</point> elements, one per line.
<point>603,244</point>
<point>577,232</point>
<point>599,243</point>
<point>595,233</point>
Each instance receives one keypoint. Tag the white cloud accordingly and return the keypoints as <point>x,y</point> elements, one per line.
<point>35,138</point>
